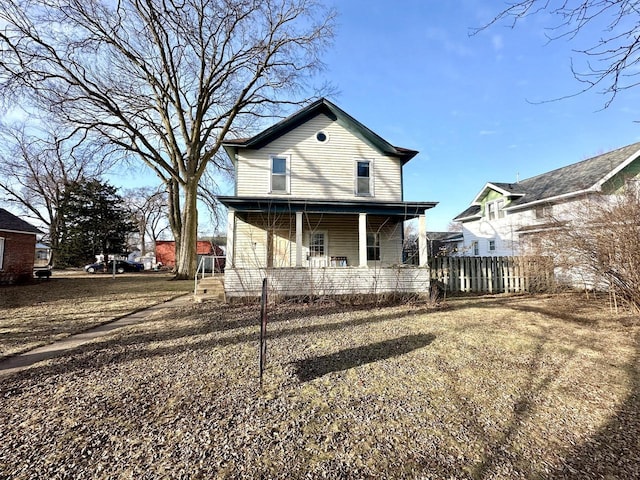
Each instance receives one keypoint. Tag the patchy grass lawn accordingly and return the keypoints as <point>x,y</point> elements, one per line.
<point>493,387</point>
<point>42,312</point>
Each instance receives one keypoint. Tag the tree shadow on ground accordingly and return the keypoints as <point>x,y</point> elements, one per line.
<point>315,367</point>
<point>201,337</point>
<point>614,451</point>
<point>575,309</point>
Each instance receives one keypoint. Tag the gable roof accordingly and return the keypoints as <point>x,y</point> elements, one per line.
<point>445,236</point>
<point>321,106</point>
<point>9,222</point>
<point>470,213</point>
<point>581,177</point>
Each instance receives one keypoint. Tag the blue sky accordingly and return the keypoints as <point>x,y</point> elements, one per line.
<point>411,72</point>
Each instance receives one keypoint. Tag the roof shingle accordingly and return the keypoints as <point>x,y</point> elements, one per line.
<point>573,178</point>
<point>10,222</point>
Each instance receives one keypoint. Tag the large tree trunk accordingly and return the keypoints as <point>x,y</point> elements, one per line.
<point>175,221</point>
<point>186,255</point>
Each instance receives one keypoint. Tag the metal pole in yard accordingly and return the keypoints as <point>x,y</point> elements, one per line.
<point>263,329</point>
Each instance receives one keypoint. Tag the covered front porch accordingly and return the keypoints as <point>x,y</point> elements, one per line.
<point>322,247</point>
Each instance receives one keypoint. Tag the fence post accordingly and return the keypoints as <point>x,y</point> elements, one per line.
<point>263,328</point>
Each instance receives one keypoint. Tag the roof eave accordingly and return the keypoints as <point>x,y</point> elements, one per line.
<point>467,218</point>
<point>24,232</point>
<point>259,204</point>
<point>491,186</point>
<point>564,196</point>
<point>332,111</point>
<point>598,185</point>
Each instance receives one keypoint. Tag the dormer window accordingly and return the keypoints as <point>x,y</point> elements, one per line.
<point>494,210</point>
<point>364,178</point>
<point>279,174</point>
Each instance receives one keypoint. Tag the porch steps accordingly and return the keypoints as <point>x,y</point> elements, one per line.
<point>211,288</point>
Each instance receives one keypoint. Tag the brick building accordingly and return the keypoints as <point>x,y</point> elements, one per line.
<point>166,251</point>
<point>17,248</point>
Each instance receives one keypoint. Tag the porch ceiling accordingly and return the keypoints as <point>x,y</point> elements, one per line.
<point>405,210</point>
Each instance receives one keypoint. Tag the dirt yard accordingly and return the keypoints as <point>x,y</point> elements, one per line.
<point>47,310</point>
<point>493,387</point>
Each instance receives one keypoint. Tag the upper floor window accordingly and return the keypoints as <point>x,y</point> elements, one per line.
<point>495,209</point>
<point>279,174</point>
<point>490,211</point>
<point>492,245</point>
<point>543,211</point>
<point>475,247</point>
<point>1,252</point>
<point>364,177</point>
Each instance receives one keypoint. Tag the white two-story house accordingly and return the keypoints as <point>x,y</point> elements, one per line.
<point>506,219</point>
<point>318,209</point>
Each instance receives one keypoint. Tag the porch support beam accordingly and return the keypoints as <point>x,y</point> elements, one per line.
<point>362,239</point>
<point>422,241</point>
<point>231,238</point>
<point>298,239</point>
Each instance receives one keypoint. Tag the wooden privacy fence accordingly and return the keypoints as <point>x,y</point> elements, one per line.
<point>493,274</point>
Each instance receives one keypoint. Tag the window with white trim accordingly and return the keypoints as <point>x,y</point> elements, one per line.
<point>317,244</point>
<point>364,177</point>
<point>495,209</point>
<point>373,246</point>
<point>476,248</point>
<point>544,211</point>
<point>492,245</point>
<point>1,252</point>
<point>279,174</point>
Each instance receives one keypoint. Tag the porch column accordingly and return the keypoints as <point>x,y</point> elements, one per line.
<point>231,240</point>
<point>298,239</point>
<point>362,239</point>
<point>422,241</point>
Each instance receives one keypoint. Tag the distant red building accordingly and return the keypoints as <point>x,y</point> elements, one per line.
<point>166,251</point>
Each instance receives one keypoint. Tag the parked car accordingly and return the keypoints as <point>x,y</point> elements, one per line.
<point>121,267</point>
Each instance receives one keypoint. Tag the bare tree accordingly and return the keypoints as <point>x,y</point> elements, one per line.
<point>611,57</point>
<point>37,166</point>
<point>596,243</point>
<point>164,80</point>
<point>454,227</point>
<point>149,207</point>
<point>211,184</point>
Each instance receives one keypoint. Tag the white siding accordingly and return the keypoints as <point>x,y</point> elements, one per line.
<point>506,231</point>
<point>342,238</point>
<point>326,281</point>
<point>319,170</point>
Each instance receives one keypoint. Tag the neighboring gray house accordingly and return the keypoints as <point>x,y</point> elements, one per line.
<point>504,217</point>
<point>319,209</point>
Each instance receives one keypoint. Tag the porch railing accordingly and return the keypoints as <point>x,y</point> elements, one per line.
<point>209,264</point>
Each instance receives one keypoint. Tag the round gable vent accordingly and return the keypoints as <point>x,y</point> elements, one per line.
<point>322,137</point>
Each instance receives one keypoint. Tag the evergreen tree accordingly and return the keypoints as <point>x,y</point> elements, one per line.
<point>96,222</point>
